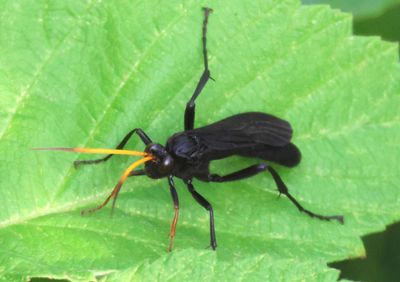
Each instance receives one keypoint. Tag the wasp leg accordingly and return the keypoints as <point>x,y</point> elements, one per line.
<point>255,169</point>
<point>146,140</point>
<point>190,106</point>
<point>175,199</point>
<point>202,201</point>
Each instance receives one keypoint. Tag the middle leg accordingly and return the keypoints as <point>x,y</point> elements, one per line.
<point>203,202</point>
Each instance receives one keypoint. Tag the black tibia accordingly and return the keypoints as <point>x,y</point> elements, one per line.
<point>240,174</point>
<point>284,190</point>
<point>254,169</point>
<point>202,201</point>
<point>143,136</point>
<point>175,199</point>
<point>190,106</point>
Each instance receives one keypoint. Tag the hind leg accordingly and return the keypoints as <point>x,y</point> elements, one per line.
<point>255,169</point>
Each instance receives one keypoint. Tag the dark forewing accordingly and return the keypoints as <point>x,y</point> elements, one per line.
<point>248,134</point>
<point>246,129</point>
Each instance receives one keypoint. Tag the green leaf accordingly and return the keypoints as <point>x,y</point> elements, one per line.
<point>360,8</point>
<point>190,264</point>
<point>75,73</point>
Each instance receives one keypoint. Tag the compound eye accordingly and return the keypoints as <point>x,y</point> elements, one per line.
<point>153,149</point>
<point>167,164</point>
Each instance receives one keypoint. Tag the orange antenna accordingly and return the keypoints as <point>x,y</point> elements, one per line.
<point>117,188</point>
<point>96,151</point>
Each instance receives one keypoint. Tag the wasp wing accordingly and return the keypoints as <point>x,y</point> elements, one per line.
<point>248,134</point>
<point>245,130</point>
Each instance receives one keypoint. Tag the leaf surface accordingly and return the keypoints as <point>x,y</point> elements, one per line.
<point>84,73</point>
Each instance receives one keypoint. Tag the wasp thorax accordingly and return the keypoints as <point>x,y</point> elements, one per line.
<point>162,164</point>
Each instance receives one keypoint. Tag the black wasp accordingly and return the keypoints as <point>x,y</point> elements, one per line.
<point>187,154</point>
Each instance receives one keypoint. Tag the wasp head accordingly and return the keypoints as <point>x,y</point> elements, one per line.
<point>161,165</point>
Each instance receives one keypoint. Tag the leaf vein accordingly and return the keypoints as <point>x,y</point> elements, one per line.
<point>25,93</point>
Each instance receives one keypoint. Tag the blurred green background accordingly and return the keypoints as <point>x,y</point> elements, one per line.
<point>373,18</point>
<point>370,17</point>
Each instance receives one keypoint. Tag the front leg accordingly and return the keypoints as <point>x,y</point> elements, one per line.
<point>190,106</point>
<point>174,196</point>
<point>202,201</point>
<point>143,136</point>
